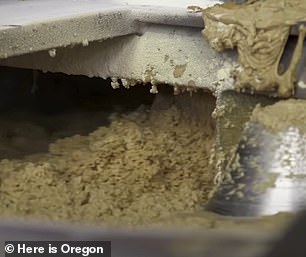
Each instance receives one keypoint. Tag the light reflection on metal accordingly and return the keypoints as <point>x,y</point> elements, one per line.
<point>268,174</point>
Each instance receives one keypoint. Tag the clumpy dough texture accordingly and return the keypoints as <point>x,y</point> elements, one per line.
<point>143,167</point>
<point>282,115</point>
<point>259,30</point>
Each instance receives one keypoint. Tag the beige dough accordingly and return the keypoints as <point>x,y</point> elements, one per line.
<point>282,115</point>
<point>259,30</point>
<point>148,169</point>
<point>142,168</point>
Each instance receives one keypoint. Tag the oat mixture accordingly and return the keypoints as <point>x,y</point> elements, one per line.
<point>111,158</point>
<point>143,167</point>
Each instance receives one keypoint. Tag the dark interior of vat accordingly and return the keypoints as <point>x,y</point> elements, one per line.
<point>36,108</point>
<point>74,149</point>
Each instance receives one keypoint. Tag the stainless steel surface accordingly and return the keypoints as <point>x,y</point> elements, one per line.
<point>300,89</point>
<point>267,174</point>
<point>292,243</point>
<point>146,242</point>
<point>136,41</point>
<point>33,25</point>
<point>235,111</point>
<point>258,159</point>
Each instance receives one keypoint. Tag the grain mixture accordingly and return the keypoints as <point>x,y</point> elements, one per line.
<point>143,167</point>
<point>106,157</point>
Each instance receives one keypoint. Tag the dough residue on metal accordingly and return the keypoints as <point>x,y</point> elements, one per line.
<point>259,30</point>
<point>281,115</point>
<point>179,70</point>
